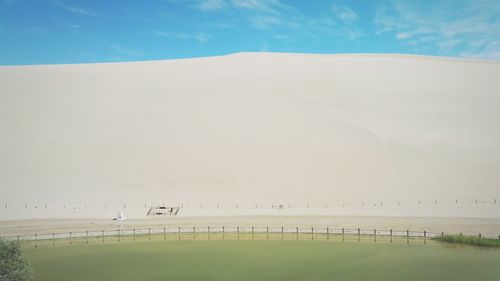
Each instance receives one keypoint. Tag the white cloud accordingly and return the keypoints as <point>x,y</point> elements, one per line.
<point>344,14</point>
<point>262,5</point>
<point>403,35</point>
<point>74,9</point>
<point>447,45</point>
<point>338,21</point>
<point>457,27</point>
<point>210,5</point>
<point>201,37</point>
<point>198,36</point>
<point>67,24</point>
<point>490,52</point>
<point>123,50</point>
<point>265,21</point>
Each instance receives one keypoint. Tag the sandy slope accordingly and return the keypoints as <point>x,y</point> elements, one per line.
<point>251,127</point>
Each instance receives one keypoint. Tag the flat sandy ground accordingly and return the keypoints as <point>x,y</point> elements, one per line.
<point>472,226</point>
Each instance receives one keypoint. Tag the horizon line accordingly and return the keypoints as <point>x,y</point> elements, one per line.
<point>448,58</point>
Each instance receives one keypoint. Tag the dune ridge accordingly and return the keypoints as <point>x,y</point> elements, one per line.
<point>252,127</point>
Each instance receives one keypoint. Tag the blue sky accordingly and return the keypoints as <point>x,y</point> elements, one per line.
<point>83,31</point>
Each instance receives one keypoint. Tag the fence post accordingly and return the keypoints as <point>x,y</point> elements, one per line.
<point>36,240</point>
<point>479,235</point>
<point>179,233</point>
<point>164,233</point>
<point>327,233</point>
<point>87,236</point>
<point>53,239</point>
<point>150,233</point>
<point>194,232</point>
<point>134,234</point>
<point>253,236</point>
<point>70,242</point>
<point>282,233</point>
<point>297,233</point>
<point>425,237</point>
<point>375,235</point>
<point>359,235</point>
<point>391,235</point>
<point>238,232</point>
<point>407,236</point>
<point>342,234</point>
<point>267,232</point>
<point>312,233</point>
<point>223,233</point>
<point>118,235</point>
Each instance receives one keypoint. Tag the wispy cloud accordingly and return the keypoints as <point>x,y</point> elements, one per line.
<point>201,37</point>
<point>269,6</point>
<point>198,36</point>
<point>339,21</point>
<point>344,14</point>
<point>67,24</point>
<point>466,27</point>
<point>265,21</point>
<point>119,51</point>
<point>74,9</point>
<point>210,5</point>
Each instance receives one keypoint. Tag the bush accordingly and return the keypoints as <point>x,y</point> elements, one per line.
<point>470,240</point>
<point>13,267</point>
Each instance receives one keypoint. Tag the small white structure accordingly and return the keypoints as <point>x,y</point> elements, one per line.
<point>163,211</point>
<point>281,206</point>
<point>120,217</point>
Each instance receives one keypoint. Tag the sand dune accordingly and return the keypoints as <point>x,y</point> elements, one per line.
<point>252,127</point>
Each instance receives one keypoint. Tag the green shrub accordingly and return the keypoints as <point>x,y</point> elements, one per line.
<point>469,240</point>
<point>12,265</point>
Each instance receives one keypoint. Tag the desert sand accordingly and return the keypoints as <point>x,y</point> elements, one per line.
<point>343,131</point>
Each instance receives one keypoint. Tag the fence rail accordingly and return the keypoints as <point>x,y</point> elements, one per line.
<point>231,233</point>
<point>276,205</point>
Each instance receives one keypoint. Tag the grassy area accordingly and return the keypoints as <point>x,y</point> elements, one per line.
<point>235,260</point>
<point>470,240</point>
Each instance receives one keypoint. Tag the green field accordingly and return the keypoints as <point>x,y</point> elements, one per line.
<point>262,260</point>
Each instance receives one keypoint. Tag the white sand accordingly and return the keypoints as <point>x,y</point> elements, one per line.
<point>252,128</point>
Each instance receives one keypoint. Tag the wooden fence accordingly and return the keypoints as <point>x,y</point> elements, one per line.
<point>231,233</point>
